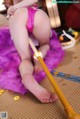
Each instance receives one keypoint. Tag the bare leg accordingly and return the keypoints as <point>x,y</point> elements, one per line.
<point>30,83</point>
<point>42,32</point>
<point>20,38</point>
<point>43,49</point>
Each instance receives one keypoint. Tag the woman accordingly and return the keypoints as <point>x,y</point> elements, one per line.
<point>25,18</point>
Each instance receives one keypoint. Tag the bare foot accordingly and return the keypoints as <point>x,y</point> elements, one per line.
<point>45,96</point>
<point>38,91</point>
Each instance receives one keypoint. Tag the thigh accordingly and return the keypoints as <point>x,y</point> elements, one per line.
<point>42,27</point>
<point>19,32</point>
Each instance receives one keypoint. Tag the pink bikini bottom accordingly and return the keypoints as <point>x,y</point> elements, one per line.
<point>31,14</point>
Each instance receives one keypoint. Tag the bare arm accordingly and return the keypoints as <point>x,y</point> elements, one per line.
<point>24,3</point>
<point>16,1</point>
<point>21,3</point>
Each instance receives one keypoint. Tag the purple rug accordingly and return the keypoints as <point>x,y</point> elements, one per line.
<point>9,61</point>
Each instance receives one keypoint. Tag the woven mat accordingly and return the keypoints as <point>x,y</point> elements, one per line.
<point>28,107</point>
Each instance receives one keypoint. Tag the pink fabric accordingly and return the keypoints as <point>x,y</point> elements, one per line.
<point>31,14</point>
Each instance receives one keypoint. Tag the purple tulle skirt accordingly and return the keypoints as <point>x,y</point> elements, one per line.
<point>9,61</point>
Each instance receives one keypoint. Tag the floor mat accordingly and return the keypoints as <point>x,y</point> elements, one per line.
<point>28,107</point>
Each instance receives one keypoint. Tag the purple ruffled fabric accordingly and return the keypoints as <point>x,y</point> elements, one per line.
<point>9,61</point>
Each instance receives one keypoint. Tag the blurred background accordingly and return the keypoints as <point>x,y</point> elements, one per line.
<point>69,14</point>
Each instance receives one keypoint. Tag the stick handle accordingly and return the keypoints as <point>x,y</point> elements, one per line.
<point>62,98</point>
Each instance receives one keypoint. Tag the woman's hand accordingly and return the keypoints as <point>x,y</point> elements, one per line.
<point>11,10</point>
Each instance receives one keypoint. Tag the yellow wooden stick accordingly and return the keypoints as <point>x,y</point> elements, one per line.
<point>69,110</point>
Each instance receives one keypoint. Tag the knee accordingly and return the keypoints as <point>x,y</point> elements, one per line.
<point>45,42</point>
<point>20,16</point>
<point>24,62</point>
<point>25,67</point>
<point>47,46</point>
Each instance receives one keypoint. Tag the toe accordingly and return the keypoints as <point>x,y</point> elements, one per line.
<point>54,96</point>
<point>51,100</point>
<point>45,100</point>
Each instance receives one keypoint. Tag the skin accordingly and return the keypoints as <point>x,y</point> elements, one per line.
<point>19,33</point>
